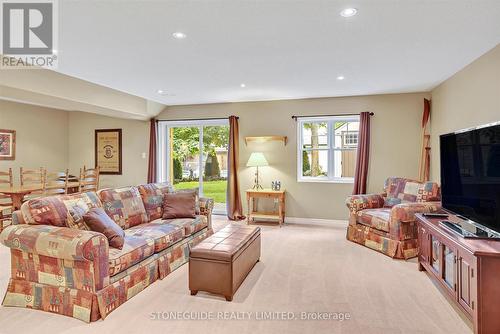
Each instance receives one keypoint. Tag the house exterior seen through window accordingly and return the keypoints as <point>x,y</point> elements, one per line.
<point>327,148</point>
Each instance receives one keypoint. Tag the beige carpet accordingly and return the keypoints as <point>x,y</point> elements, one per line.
<point>306,267</point>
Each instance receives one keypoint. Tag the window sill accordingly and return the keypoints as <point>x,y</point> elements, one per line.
<point>339,180</point>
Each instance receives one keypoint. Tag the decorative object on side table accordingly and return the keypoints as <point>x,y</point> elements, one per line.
<point>257,159</point>
<point>7,144</point>
<point>108,151</point>
<point>276,185</point>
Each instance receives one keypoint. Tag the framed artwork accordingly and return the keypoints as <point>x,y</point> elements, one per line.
<point>7,144</point>
<point>108,151</point>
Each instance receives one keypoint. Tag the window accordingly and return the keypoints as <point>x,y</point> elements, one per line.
<point>327,148</point>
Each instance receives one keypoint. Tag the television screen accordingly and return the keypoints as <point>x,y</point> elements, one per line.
<point>470,174</point>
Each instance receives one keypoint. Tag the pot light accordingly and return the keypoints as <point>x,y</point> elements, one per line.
<point>340,77</point>
<point>348,12</point>
<point>179,35</point>
<point>243,85</point>
<point>161,92</point>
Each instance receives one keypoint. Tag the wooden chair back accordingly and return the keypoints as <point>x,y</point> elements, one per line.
<point>55,183</point>
<point>32,177</point>
<point>89,179</point>
<point>6,207</point>
<point>5,181</point>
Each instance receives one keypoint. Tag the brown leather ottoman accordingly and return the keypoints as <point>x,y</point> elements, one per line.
<point>220,263</point>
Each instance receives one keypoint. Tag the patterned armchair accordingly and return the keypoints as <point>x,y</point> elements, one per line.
<point>386,222</point>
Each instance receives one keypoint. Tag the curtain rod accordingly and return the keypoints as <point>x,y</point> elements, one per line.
<point>295,117</point>
<point>193,119</point>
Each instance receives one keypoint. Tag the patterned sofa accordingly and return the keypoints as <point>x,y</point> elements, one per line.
<point>58,266</point>
<point>386,222</point>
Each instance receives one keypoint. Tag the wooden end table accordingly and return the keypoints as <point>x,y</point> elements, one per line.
<point>254,195</point>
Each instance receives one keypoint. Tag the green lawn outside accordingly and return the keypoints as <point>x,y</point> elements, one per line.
<point>211,189</point>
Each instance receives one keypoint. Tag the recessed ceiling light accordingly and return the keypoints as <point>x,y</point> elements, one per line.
<point>161,92</point>
<point>243,85</point>
<point>348,12</point>
<point>179,35</point>
<point>340,77</point>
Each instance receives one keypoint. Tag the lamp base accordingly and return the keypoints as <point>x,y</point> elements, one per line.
<point>256,184</point>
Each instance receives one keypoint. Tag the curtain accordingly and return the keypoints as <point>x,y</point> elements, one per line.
<point>152,152</point>
<point>234,207</point>
<point>425,153</point>
<point>361,173</point>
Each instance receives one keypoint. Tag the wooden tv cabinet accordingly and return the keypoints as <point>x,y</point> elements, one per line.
<point>468,270</point>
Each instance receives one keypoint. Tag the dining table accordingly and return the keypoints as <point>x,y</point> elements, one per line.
<point>17,193</point>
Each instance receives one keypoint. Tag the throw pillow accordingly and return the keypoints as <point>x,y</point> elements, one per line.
<point>97,220</point>
<point>179,205</point>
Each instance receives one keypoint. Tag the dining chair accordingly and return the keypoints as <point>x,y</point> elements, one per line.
<point>6,207</point>
<point>89,179</point>
<point>55,183</point>
<point>32,178</point>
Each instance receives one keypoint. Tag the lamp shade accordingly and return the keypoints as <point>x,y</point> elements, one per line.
<point>257,159</point>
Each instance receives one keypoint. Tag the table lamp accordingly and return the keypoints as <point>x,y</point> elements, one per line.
<point>257,159</point>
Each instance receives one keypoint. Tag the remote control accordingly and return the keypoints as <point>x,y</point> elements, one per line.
<point>435,215</point>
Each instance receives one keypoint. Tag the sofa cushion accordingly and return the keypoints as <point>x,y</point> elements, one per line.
<point>190,225</point>
<point>97,220</point>
<point>60,210</point>
<point>135,249</point>
<point>375,218</point>
<point>429,192</point>
<point>152,197</point>
<point>179,205</point>
<point>401,190</point>
<point>163,234</point>
<point>197,193</point>
<point>124,206</point>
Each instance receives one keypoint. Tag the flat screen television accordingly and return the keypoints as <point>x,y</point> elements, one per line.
<point>470,174</point>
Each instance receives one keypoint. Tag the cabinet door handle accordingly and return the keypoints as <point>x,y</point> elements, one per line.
<point>472,304</point>
<point>472,273</point>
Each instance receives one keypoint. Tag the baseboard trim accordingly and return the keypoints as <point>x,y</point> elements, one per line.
<point>318,221</point>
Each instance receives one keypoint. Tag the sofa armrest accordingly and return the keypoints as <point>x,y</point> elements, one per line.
<point>405,212</point>
<point>206,207</point>
<point>356,203</point>
<point>402,218</point>
<point>62,243</point>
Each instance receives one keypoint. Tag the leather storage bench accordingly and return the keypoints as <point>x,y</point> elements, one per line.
<point>220,263</point>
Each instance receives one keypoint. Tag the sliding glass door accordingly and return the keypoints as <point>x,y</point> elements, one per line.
<point>193,154</point>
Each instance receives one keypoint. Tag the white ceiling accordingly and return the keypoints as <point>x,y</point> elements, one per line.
<point>279,49</point>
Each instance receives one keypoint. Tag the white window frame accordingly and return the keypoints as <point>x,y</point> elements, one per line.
<point>330,120</point>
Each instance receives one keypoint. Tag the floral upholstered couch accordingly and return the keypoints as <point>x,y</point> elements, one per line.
<point>386,222</point>
<point>59,266</point>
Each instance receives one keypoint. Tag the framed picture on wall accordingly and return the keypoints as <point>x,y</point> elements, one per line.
<point>108,151</point>
<point>7,144</point>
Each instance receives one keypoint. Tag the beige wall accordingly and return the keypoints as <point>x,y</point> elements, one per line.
<point>41,136</point>
<point>135,141</point>
<point>471,97</point>
<point>395,144</point>
<point>57,139</point>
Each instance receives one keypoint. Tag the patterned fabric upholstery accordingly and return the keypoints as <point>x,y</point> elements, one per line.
<point>361,202</point>
<point>400,190</point>
<point>57,266</point>
<point>163,234</point>
<point>62,210</point>
<point>127,286</point>
<point>377,218</point>
<point>135,249</point>
<point>65,301</point>
<point>386,222</point>
<point>37,248</point>
<point>124,206</point>
<point>190,225</point>
<point>152,197</point>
